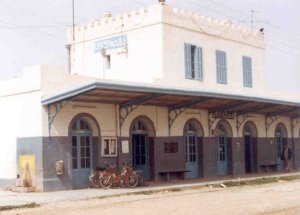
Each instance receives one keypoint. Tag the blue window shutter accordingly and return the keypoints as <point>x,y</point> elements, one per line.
<point>224,68</point>
<point>247,71</point>
<point>218,67</point>
<point>221,66</point>
<point>188,60</point>
<point>198,64</point>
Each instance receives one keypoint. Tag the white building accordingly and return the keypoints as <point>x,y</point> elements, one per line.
<point>166,90</point>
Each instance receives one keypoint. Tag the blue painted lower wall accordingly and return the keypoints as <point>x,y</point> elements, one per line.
<point>48,150</point>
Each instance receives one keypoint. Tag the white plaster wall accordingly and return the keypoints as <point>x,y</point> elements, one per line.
<point>174,69</point>
<point>156,37</point>
<point>133,66</point>
<point>143,31</point>
<point>21,117</point>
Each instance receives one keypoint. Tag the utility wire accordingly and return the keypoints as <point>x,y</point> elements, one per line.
<point>29,29</point>
<point>219,34</point>
<point>282,44</point>
<point>250,16</point>
<point>36,26</point>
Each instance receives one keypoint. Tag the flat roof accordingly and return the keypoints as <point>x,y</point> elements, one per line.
<point>125,94</point>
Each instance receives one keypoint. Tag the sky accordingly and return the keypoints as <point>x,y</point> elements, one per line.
<point>34,31</point>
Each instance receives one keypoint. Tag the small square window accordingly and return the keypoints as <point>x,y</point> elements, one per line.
<point>109,147</point>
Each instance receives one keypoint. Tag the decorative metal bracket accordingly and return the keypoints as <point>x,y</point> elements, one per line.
<point>127,108</point>
<point>176,110</point>
<point>53,110</point>
<point>125,111</point>
<point>240,119</point>
<point>295,122</point>
<point>211,121</point>
<point>173,114</point>
<point>269,121</point>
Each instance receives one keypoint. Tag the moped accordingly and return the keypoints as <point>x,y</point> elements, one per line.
<point>110,177</point>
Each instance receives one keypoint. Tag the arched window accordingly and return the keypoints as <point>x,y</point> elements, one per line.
<point>222,131</point>
<point>247,131</point>
<point>139,126</point>
<point>81,125</point>
<point>190,128</point>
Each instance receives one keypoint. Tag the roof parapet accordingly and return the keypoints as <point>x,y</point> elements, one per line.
<point>177,17</point>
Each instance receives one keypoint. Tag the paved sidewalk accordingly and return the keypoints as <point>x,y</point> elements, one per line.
<point>12,198</point>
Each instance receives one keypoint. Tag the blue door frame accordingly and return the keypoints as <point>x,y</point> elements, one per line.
<point>83,161</point>
<point>191,158</point>
<point>222,155</point>
<point>140,153</point>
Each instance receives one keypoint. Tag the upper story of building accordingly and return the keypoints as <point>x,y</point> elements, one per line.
<point>170,47</point>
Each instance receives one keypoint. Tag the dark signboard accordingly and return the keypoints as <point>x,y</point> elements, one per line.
<point>171,147</point>
<point>223,115</point>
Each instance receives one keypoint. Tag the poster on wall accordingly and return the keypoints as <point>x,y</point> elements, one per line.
<point>27,169</point>
<point>125,146</point>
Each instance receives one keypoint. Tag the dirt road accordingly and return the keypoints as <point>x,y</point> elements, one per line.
<point>278,198</point>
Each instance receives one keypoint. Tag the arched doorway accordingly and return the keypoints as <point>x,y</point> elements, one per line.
<point>82,153</point>
<point>250,143</point>
<point>281,141</point>
<point>224,134</point>
<point>192,132</point>
<point>142,140</point>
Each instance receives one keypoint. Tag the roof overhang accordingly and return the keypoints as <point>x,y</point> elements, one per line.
<point>136,94</point>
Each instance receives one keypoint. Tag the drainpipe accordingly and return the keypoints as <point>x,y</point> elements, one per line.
<point>68,46</point>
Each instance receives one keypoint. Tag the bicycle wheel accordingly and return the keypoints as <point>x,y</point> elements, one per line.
<point>94,182</point>
<point>133,181</point>
<point>105,182</point>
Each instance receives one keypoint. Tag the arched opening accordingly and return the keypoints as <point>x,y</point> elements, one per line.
<point>281,141</point>
<point>82,152</point>
<point>193,134</point>
<point>142,141</point>
<point>250,143</point>
<point>224,137</point>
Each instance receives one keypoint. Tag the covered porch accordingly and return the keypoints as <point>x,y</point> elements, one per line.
<point>190,134</point>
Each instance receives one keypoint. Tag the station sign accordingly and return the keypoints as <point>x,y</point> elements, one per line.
<point>223,115</point>
<point>111,43</point>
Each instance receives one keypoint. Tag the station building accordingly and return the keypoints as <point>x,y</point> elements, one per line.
<point>172,93</point>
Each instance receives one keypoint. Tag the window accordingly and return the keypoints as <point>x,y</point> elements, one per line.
<point>221,67</point>
<point>85,152</point>
<point>109,147</point>
<point>74,152</point>
<point>247,71</point>
<point>193,62</point>
<point>81,145</point>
